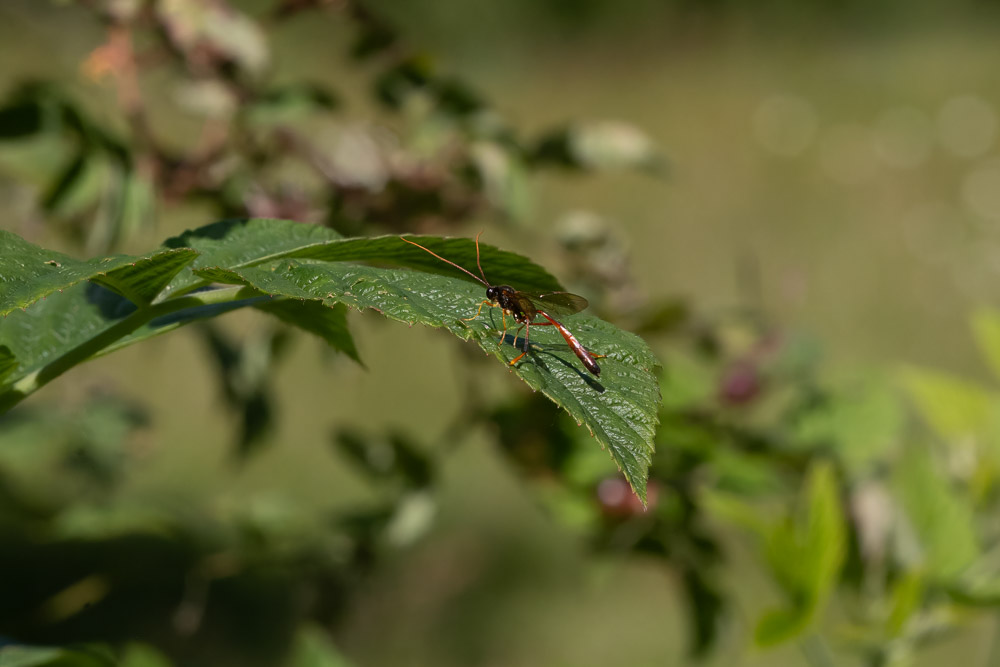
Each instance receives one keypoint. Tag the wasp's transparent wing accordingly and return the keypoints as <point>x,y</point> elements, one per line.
<point>554,303</point>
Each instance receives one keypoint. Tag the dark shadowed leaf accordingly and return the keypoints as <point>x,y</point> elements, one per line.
<point>330,324</point>
<point>21,119</point>
<point>386,457</point>
<point>8,362</point>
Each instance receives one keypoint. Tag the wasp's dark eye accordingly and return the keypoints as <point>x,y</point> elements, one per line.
<point>491,293</point>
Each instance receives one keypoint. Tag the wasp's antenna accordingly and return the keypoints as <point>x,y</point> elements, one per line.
<point>448,261</point>
<point>477,260</point>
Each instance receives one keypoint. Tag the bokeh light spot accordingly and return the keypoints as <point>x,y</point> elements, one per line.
<point>967,125</point>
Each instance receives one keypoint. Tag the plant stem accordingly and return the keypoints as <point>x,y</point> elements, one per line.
<point>106,339</point>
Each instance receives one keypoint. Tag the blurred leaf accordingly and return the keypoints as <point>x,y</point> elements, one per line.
<point>122,10</point>
<point>806,553</point>
<point>196,27</point>
<point>78,186</point>
<point>781,625</point>
<point>313,648</point>
<point>986,328</point>
<point>745,473</point>
<point>612,144</point>
<point>30,273</point>
<point>245,370</point>
<point>707,604</point>
<point>21,119</point>
<point>663,317</point>
<point>455,98</point>
<point>599,145</point>
<point>290,103</point>
<point>942,520</point>
<point>574,510</point>
<point>45,656</point>
<point>330,324</point>
<point>132,207</point>
<point>955,408</point>
<point>505,179</point>
<point>860,425</point>
<point>374,37</point>
<point>391,457</point>
<point>52,459</point>
<point>143,655</point>
<point>542,446</point>
<point>733,508</point>
<point>108,521</point>
<point>8,362</point>
<point>211,98</point>
<point>397,83</point>
<point>29,656</point>
<point>620,408</point>
<point>413,75</point>
<point>687,383</point>
<point>412,518</point>
<point>907,594</point>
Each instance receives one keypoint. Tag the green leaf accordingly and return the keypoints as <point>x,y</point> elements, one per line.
<point>29,273</point>
<point>942,519</point>
<point>21,119</point>
<point>781,625</point>
<point>309,264</point>
<point>313,648</point>
<point>330,324</point>
<point>619,408</point>
<point>986,329</point>
<point>243,243</point>
<point>84,321</point>
<point>391,457</point>
<point>907,593</point>
<point>8,363</point>
<point>29,656</point>
<point>955,408</point>
<point>142,655</point>
<point>806,554</point>
<point>860,424</point>
<point>48,656</point>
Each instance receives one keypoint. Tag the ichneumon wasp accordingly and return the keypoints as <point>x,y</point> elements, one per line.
<point>525,307</point>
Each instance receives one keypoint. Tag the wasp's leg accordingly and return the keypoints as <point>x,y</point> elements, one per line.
<point>486,301</point>
<point>527,332</point>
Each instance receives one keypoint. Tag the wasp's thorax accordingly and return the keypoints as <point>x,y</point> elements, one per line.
<point>505,296</point>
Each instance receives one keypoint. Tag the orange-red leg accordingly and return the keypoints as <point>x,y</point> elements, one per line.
<point>493,305</point>
<point>527,331</point>
<point>487,301</point>
<point>549,324</point>
<point>503,336</point>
